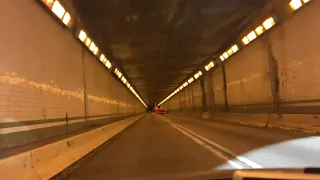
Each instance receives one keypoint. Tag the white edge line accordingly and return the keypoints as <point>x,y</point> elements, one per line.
<point>203,144</point>
<point>240,158</point>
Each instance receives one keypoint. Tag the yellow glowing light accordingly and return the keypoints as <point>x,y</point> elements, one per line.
<point>88,41</point>
<point>200,73</point>
<point>234,48</point>
<point>58,10</point>
<point>48,2</point>
<point>267,24</point>
<point>251,36</point>
<point>245,40</point>
<point>225,55</point>
<point>190,80</point>
<point>259,30</point>
<point>102,57</point>
<point>230,52</point>
<point>92,46</point>
<point>196,76</point>
<point>221,58</point>
<point>295,4</point>
<point>66,19</point>
<point>124,80</point>
<point>305,1</point>
<point>119,74</point>
<point>207,68</point>
<point>185,84</point>
<point>108,64</point>
<point>82,35</point>
<point>95,52</point>
<point>211,64</point>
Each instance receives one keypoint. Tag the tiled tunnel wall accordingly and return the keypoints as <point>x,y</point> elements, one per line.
<point>49,83</point>
<point>276,73</point>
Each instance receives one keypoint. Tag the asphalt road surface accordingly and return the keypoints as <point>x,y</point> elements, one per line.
<point>165,146</point>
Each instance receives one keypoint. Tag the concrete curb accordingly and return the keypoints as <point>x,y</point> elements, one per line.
<point>47,161</point>
<point>306,123</point>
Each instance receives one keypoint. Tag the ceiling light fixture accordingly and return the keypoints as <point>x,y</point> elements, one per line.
<point>82,35</point>
<point>58,10</point>
<point>295,4</point>
<point>267,24</point>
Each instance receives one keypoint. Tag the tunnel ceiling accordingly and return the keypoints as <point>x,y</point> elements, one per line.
<point>159,43</point>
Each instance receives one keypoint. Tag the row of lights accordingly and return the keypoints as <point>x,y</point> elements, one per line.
<point>56,7</point>
<point>58,10</point>
<point>296,4</point>
<point>229,52</point>
<point>209,66</point>
<point>196,76</point>
<point>124,80</point>
<point>105,61</point>
<point>266,25</point>
<point>252,35</point>
<point>89,43</point>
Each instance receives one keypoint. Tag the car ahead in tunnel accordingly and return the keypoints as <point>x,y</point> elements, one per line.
<point>159,110</point>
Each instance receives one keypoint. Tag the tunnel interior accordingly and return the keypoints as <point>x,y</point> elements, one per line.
<point>159,89</point>
<point>159,44</point>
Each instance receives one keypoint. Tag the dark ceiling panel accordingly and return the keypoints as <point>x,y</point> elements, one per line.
<point>158,43</point>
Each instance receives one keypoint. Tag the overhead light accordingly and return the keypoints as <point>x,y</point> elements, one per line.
<point>196,76</point>
<point>119,74</point>
<point>49,3</point>
<point>207,68</point>
<point>185,84</point>
<point>295,4</point>
<point>259,30</point>
<point>267,24</point>
<point>181,87</point>
<point>251,36</point>
<point>102,57</point>
<point>58,10</point>
<point>200,73</point>
<point>234,48</point>
<point>221,58</point>
<point>245,40</point>
<point>229,52</point>
<point>88,42</point>
<point>66,18</point>
<point>190,80</point>
<point>124,80</point>
<point>92,46</point>
<point>82,36</point>
<point>225,55</point>
<point>211,64</point>
<point>108,64</point>
<point>305,1</point>
<point>95,52</point>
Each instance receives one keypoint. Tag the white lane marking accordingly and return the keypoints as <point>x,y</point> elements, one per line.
<point>234,164</point>
<point>205,140</point>
<point>204,144</point>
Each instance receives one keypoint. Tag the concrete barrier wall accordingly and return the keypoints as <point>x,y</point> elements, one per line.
<point>277,73</point>
<point>43,76</point>
<point>47,161</point>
